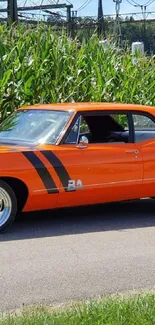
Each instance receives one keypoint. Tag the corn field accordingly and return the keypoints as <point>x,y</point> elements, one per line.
<point>38,66</point>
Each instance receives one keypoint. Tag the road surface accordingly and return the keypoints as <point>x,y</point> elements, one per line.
<point>53,257</point>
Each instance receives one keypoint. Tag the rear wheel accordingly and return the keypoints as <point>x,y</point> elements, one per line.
<point>8,205</point>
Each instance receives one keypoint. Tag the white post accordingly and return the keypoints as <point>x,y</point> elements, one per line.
<point>137,48</point>
<point>104,44</point>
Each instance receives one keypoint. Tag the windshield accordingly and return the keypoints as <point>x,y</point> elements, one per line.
<point>37,126</point>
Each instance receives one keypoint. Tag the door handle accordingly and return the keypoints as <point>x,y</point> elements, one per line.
<point>132,151</point>
<point>81,146</point>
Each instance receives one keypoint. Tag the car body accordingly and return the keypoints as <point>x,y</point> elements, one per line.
<point>74,154</point>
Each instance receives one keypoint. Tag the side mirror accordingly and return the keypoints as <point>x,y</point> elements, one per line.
<point>83,143</point>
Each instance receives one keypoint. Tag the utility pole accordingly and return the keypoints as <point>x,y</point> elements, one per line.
<point>12,12</point>
<point>143,9</point>
<point>144,26</point>
<point>101,24</point>
<point>117,25</point>
<point>74,19</point>
<point>69,21</point>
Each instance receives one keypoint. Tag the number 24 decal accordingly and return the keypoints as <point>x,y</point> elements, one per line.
<point>74,185</point>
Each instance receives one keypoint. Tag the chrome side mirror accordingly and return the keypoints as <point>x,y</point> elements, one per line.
<point>83,143</point>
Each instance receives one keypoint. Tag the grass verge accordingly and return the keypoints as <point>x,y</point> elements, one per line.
<point>136,310</point>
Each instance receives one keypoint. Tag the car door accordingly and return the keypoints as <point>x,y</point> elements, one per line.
<point>144,136</point>
<point>108,171</point>
<point>75,170</point>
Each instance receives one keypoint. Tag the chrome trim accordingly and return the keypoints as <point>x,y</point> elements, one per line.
<point>79,121</point>
<point>132,151</point>
<point>100,185</point>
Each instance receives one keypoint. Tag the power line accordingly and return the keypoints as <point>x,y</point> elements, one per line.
<point>130,3</point>
<point>56,2</point>
<point>149,3</point>
<point>81,7</point>
<point>136,3</point>
<point>69,2</point>
<point>143,9</point>
<point>85,4</point>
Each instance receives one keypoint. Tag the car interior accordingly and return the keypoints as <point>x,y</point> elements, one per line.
<point>103,129</point>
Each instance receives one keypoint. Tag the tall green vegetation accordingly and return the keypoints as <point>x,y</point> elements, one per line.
<point>38,66</point>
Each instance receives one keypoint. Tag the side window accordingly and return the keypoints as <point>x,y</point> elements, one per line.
<point>73,135</point>
<point>107,127</point>
<point>116,128</point>
<point>84,128</point>
<point>144,127</point>
<point>100,128</point>
<point>122,119</point>
<point>80,128</point>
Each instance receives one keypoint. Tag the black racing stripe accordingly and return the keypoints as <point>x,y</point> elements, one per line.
<point>58,167</point>
<point>42,172</point>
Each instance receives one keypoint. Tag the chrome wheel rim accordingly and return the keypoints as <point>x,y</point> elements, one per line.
<point>5,206</point>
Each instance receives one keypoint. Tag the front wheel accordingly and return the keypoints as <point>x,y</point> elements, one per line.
<point>8,205</point>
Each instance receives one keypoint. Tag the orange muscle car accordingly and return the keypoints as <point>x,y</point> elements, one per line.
<point>63,155</point>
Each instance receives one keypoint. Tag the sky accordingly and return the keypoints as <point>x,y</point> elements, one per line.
<point>108,6</point>
<point>91,6</point>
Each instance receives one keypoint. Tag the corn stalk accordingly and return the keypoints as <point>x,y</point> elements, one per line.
<point>38,66</point>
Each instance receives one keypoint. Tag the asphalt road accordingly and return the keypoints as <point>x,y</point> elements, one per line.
<point>53,257</point>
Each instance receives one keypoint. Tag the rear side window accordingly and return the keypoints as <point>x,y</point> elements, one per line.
<point>144,127</point>
<point>143,122</point>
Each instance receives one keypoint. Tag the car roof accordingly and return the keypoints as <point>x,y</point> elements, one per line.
<point>80,107</point>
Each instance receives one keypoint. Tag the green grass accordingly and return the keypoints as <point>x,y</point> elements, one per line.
<point>38,66</point>
<point>136,310</point>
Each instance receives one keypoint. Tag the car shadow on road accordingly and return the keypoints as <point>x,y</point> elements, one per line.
<point>107,217</point>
